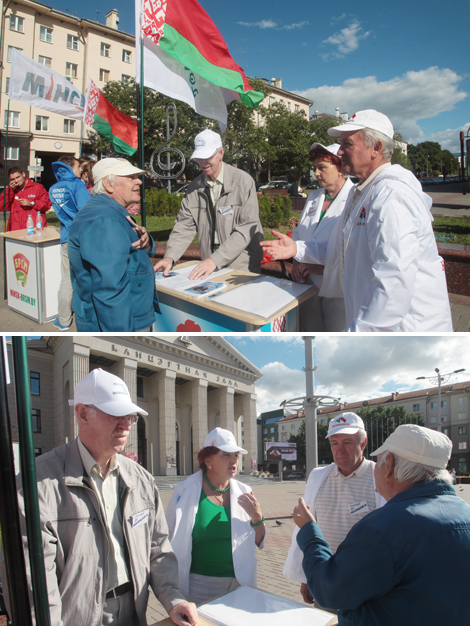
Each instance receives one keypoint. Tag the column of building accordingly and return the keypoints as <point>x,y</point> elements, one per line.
<point>126,369</point>
<point>167,417</point>
<point>248,402</point>
<point>226,408</point>
<point>81,368</point>
<point>199,417</point>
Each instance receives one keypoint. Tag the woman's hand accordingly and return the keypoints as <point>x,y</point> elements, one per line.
<point>250,504</point>
<point>311,268</point>
<point>302,514</point>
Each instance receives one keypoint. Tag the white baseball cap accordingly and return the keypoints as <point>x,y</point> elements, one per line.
<point>321,148</point>
<point>118,167</point>
<point>107,392</point>
<point>418,444</point>
<point>224,440</point>
<point>206,143</point>
<point>345,424</point>
<point>365,119</point>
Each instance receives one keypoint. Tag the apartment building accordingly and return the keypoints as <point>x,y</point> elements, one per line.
<point>74,47</point>
<point>293,102</point>
<point>188,386</point>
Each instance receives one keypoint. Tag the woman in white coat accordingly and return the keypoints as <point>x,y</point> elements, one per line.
<point>215,523</point>
<point>324,206</point>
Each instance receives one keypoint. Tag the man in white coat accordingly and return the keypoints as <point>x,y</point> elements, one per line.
<point>393,277</point>
<point>339,494</point>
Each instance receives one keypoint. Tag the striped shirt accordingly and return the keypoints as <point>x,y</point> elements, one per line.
<point>344,500</point>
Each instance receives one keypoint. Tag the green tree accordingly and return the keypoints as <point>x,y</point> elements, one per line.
<point>398,158</point>
<point>381,421</point>
<point>299,439</point>
<point>324,450</point>
<point>319,130</point>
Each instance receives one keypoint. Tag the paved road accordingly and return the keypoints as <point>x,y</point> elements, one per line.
<point>277,502</point>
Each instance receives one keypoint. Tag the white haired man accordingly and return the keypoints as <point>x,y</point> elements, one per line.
<point>392,275</point>
<point>341,493</point>
<point>391,566</point>
<point>104,532</point>
<point>221,207</point>
<point>112,275</point>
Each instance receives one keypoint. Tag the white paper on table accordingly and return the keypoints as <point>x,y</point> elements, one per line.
<point>263,296</point>
<point>253,607</point>
<point>180,282</point>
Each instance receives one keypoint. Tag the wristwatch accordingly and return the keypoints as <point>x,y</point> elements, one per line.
<point>32,202</point>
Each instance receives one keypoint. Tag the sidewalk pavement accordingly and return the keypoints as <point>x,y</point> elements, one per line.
<point>277,503</point>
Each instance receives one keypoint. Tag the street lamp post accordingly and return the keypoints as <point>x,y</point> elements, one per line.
<point>439,379</point>
<point>310,404</point>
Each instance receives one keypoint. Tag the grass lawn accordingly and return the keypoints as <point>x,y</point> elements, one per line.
<point>447,229</point>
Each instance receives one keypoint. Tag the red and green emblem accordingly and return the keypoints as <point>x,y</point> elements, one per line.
<point>21,264</point>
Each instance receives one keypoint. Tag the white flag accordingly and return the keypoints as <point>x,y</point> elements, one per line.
<point>165,74</point>
<point>38,86</point>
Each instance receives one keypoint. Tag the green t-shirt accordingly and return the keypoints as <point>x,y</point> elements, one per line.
<point>212,540</point>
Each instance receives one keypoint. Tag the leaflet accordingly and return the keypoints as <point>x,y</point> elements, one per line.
<point>204,289</point>
<point>179,281</point>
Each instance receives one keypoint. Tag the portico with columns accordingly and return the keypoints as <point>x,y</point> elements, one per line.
<point>188,386</point>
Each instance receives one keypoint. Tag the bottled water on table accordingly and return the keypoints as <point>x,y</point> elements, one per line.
<point>30,227</point>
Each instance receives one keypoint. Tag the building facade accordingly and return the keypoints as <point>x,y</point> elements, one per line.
<point>188,386</point>
<point>454,412</point>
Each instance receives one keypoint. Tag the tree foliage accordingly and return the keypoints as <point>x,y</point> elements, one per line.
<point>428,159</point>
<point>319,130</point>
<point>381,421</point>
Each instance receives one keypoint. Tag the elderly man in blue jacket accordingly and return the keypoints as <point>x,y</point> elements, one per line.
<point>390,568</point>
<point>67,196</point>
<point>112,275</point>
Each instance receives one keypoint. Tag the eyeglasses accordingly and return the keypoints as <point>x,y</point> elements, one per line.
<point>133,418</point>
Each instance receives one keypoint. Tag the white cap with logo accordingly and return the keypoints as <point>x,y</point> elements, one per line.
<point>206,143</point>
<point>319,147</point>
<point>107,392</point>
<point>418,444</point>
<point>345,424</point>
<point>118,167</point>
<point>224,440</point>
<point>368,118</point>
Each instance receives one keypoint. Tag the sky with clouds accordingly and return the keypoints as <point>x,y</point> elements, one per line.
<point>352,367</point>
<point>406,59</point>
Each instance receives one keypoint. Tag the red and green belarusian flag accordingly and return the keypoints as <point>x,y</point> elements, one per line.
<point>186,32</point>
<point>119,129</point>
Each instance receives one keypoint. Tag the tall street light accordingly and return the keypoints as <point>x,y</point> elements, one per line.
<point>438,379</point>
<point>310,404</point>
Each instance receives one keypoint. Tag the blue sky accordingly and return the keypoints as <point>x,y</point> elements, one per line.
<point>406,59</point>
<point>352,368</point>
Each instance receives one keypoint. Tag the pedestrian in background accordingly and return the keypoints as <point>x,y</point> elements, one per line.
<point>24,197</point>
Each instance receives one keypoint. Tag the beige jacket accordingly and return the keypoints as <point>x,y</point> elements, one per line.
<point>238,224</point>
<point>75,539</point>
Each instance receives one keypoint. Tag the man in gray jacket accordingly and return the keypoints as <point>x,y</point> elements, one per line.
<point>104,532</point>
<point>221,206</point>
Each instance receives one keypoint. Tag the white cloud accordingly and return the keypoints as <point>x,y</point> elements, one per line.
<point>347,39</point>
<point>405,99</point>
<point>339,18</point>
<point>449,139</point>
<point>360,368</point>
<point>264,24</point>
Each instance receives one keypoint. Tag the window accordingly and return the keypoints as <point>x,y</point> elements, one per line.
<point>17,23</point>
<point>283,428</point>
<point>12,118</point>
<point>462,430</point>
<point>272,430</point>
<point>10,51</point>
<point>69,127</point>
<point>13,154</point>
<point>35,384</point>
<point>140,387</point>
<point>72,42</point>
<point>125,78</point>
<point>462,415</point>
<point>433,405</point>
<point>36,420</point>
<point>463,400</point>
<point>104,76</point>
<point>126,56</point>
<point>443,404</point>
<point>37,451</point>
<point>462,445</point>
<point>46,61</point>
<point>71,70</point>
<point>433,419</point>
<point>462,464</point>
<point>296,108</point>
<point>45,34</point>
<point>443,418</point>
<point>288,106</point>
<point>445,431</point>
<point>42,123</point>
<point>271,100</point>
<point>7,85</point>
<point>292,427</point>
<point>415,407</point>
<point>105,50</point>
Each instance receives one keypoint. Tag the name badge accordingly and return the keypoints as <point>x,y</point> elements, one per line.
<point>225,210</point>
<point>358,507</point>
<point>140,518</point>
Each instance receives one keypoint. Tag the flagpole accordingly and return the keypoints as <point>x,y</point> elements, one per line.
<point>140,105</point>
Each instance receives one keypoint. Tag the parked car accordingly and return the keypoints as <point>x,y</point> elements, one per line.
<point>274,184</point>
<point>295,476</point>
